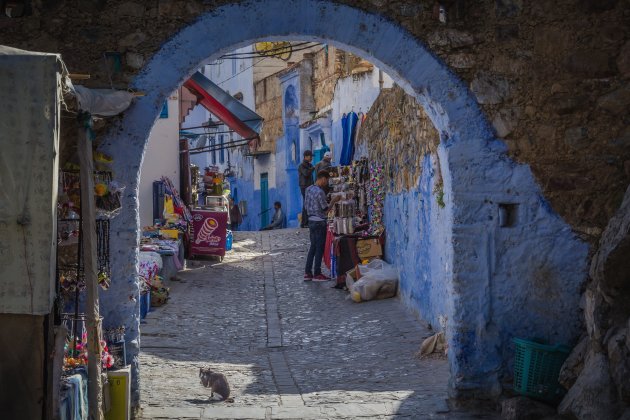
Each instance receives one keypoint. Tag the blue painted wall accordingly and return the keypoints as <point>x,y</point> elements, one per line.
<point>414,244</point>
<point>281,167</point>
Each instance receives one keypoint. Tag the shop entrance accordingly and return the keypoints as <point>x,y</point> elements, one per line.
<point>478,266</point>
<point>264,199</point>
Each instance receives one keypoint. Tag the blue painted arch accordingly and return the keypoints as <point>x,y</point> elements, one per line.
<point>474,175</point>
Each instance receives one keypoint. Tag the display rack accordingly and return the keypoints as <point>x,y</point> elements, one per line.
<point>69,267</point>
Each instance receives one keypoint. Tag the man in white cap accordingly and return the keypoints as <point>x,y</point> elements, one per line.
<point>324,164</point>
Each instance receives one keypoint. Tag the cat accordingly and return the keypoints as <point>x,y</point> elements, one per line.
<point>217,382</point>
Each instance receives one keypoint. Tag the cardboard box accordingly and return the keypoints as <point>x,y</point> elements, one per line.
<point>369,248</point>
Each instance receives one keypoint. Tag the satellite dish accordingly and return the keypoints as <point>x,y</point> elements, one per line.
<point>281,50</point>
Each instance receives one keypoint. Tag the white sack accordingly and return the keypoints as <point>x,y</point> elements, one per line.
<point>102,102</point>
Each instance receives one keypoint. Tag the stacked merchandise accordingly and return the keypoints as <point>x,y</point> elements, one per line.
<point>149,267</point>
<point>213,182</point>
<point>350,184</point>
<point>355,229</point>
<point>176,213</point>
<point>195,176</point>
<point>161,249</point>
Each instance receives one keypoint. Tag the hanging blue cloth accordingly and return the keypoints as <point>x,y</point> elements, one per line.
<point>349,125</point>
<point>322,139</point>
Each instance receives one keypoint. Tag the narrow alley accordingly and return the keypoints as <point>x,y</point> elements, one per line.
<point>289,349</point>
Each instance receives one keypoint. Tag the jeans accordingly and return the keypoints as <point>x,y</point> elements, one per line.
<point>304,222</point>
<point>316,251</point>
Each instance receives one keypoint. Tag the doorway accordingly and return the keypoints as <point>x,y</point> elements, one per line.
<point>264,199</point>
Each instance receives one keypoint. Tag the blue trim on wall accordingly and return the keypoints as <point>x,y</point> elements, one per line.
<point>164,111</point>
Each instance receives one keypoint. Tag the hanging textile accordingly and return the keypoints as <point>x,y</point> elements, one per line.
<point>322,139</point>
<point>330,237</point>
<point>349,125</point>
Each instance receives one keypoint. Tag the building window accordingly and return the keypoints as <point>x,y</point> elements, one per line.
<point>214,152</point>
<point>222,151</point>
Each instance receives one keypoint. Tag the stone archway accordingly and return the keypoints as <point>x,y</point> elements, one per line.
<point>495,278</point>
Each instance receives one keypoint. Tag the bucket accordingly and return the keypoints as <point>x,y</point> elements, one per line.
<point>228,240</point>
<point>536,369</point>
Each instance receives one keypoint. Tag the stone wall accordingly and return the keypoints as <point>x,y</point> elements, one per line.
<point>269,106</point>
<point>329,65</point>
<point>597,372</point>
<point>398,134</point>
<point>555,88</point>
<point>325,76</point>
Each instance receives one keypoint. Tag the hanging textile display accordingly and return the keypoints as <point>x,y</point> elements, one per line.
<point>349,125</point>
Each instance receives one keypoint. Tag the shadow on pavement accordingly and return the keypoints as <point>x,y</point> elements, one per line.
<point>332,351</point>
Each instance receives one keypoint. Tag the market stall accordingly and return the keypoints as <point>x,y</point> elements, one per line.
<point>71,282</point>
<point>355,228</point>
<point>162,245</point>
<point>209,227</point>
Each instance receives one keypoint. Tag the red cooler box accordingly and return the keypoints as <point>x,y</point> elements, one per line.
<point>207,233</point>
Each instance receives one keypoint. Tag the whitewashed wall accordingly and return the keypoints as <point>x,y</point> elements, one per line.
<point>161,158</point>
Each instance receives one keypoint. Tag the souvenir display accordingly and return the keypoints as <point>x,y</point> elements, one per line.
<point>355,223</point>
<point>350,184</point>
<point>376,199</point>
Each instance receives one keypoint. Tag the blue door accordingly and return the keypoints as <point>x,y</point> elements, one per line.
<point>264,200</point>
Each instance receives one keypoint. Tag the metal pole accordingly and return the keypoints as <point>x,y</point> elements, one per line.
<point>88,220</point>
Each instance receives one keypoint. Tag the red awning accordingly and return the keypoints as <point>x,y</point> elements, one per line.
<point>231,112</point>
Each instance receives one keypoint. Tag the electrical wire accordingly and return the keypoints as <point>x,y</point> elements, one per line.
<point>242,71</point>
<point>280,50</point>
<point>256,63</point>
<point>278,54</point>
<point>255,54</point>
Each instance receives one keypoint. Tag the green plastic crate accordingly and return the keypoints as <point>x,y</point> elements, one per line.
<point>536,369</point>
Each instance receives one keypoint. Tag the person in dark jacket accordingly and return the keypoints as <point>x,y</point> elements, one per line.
<point>305,174</point>
<point>325,163</point>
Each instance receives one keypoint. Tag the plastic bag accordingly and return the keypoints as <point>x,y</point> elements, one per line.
<point>379,280</point>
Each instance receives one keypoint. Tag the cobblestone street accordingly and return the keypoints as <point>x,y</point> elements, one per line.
<point>289,349</point>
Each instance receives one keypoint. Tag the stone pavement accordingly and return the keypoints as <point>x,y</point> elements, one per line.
<point>290,349</point>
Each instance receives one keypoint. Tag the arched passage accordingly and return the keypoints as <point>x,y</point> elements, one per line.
<point>483,270</point>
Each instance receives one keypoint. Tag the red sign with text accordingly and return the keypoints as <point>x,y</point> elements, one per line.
<point>208,232</point>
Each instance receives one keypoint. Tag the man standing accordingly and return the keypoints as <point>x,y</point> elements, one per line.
<point>317,207</point>
<point>305,173</point>
<point>235,215</point>
<point>277,220</point>
<point>324,163</point>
